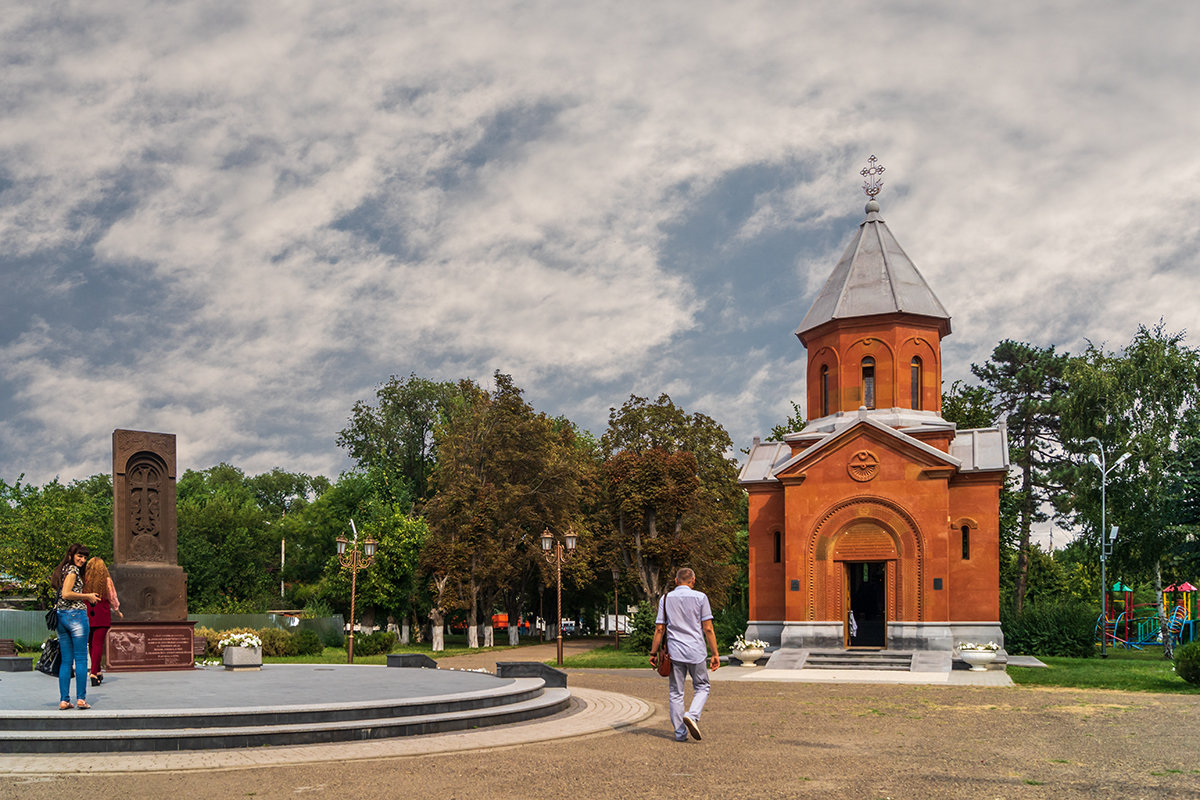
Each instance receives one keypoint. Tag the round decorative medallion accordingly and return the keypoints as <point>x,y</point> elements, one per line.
<point>863,466</point>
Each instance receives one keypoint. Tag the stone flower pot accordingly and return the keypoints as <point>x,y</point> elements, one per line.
<point>242,658</point>
<point>748,657</point>
<point>978,659</point>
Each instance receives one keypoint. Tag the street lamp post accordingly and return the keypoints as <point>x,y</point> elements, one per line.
<point>354,560</point>
<point>552,550</point>
<point>1106,542</point>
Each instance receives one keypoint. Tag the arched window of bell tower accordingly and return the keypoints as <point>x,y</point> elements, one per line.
<point>915,370</point>
<point>824,390</point>
<point>868,381</point>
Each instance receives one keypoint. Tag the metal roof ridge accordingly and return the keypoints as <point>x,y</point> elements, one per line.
<point>883,254</point>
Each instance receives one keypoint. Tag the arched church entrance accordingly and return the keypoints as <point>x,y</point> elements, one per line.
<point>864,553</point>
<point>867,568</point>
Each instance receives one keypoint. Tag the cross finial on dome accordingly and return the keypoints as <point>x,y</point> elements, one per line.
<point>871,172</point>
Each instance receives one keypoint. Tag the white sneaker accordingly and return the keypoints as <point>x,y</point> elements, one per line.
<point>693,727</point>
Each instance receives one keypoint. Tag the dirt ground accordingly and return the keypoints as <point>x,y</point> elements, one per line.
<point>764,740</point>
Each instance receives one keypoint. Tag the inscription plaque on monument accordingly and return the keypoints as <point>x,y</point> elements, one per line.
<point>151,584</point>
<point>150,646</point>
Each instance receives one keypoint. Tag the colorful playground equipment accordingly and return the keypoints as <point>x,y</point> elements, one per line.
<point>1125,624</point>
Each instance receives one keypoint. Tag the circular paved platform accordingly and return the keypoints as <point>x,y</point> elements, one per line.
<point>214,688</point>
<point>32,697</point>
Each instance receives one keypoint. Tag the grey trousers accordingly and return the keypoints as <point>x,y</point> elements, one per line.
<point>679,671</point>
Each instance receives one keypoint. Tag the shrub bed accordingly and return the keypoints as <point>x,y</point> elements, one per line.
<point>1050,628</point>
<point>1187,662</point>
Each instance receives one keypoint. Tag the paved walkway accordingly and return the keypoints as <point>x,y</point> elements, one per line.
<point>761,740</point>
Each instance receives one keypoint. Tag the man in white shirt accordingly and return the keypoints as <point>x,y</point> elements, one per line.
<point>685,618</point>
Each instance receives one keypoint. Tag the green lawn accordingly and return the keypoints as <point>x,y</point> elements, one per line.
<point>1123,670</point>
<point>606,657</point>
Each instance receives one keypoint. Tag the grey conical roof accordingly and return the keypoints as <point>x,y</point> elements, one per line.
<point>874,276</point>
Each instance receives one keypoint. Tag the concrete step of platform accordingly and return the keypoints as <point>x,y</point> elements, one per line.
<point>96,731</point>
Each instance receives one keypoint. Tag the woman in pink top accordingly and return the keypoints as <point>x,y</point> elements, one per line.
<point>96,579</point>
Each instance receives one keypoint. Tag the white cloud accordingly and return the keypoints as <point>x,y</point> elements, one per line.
<point>243,217</point>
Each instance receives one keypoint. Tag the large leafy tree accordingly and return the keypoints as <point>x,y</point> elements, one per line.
<point>393,440</point>
<point>1141,400</point>
<point>1183,476</point>
<point>38,524</point>
<point>504,474</point>
<point>1028,385</point>
<point>225,543</point>
<point>670,492</point>
<point>968,406</point>
<point>392,584</point>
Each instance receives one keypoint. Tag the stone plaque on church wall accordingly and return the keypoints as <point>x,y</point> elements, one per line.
<point>149,646</point>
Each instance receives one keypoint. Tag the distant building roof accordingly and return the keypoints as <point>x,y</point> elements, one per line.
<point>874,276</point>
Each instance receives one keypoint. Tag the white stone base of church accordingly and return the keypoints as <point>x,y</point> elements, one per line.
<point>914,636</point>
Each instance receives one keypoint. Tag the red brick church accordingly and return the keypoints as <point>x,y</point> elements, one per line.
<point>877,524</point>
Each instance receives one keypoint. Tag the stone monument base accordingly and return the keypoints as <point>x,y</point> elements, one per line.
<point>149,646</point>
<point>151,592</point>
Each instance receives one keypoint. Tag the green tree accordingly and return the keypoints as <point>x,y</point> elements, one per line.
<point>393,440</point>
<point>504,474</point>
<point>225,543</point>
<point>278,492</point>
<point>1141,400</point>
<point>793,424</point>
<point>37,525</point>
<point>968,406</point>
<point>1027,383</point>
<point>392,584</point>
<point>671,494</point>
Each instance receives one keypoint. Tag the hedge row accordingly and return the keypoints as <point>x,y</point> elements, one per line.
<point>1050,628</point>
<point>276,641</point>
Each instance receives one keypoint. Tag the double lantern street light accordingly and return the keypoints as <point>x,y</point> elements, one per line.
<point>553,551</point>
<point>1106,542</point>
<point>354,560</point>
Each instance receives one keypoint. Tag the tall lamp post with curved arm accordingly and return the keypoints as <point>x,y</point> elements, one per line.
<point>354,559</point>
<point>1106,542</point>
<point>553,551</point>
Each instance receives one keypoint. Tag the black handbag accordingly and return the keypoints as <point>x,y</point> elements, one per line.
<point>51,658</point>
<point>52,619</point>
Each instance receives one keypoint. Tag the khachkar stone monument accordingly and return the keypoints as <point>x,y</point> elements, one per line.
<point>154,633</point>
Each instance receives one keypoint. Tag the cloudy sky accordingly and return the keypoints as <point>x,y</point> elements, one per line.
<point>231,220</point>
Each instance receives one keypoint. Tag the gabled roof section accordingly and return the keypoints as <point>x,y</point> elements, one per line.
<point>874,276</point>
<point>971,451</point>
<point>833,439</point>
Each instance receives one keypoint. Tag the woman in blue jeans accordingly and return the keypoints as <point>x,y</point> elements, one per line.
<point>72,625</point>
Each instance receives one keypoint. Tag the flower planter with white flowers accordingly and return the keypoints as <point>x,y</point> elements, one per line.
<point>241,651</point>
<point>748,652</point>
<point>978,655</point>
